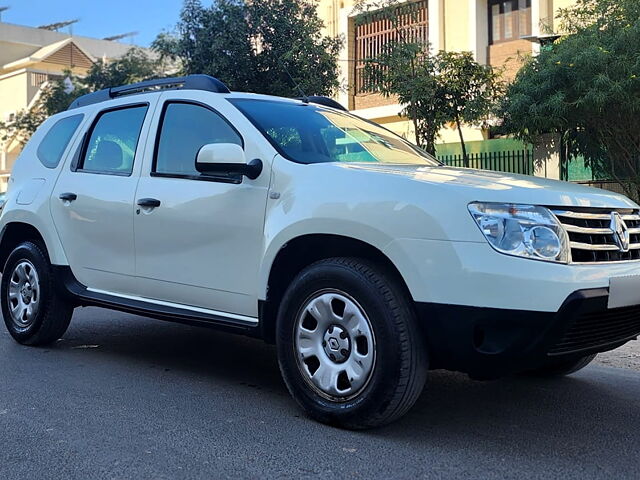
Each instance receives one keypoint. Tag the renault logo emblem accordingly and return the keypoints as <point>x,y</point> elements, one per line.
<point>620,231</point>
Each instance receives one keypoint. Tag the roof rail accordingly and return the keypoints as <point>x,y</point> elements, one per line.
<point>190,82</point>
<point>320,100</point>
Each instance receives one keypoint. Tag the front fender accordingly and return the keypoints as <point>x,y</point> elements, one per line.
<point>278,237</point>
<point>324,199</point>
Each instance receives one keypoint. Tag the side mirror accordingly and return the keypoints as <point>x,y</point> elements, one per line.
<point>226,158</point>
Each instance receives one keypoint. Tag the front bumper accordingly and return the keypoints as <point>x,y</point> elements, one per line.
<point>492,342</point>
<point>470,273</point>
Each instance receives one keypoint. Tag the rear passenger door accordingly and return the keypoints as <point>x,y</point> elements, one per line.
<point>92,202</point>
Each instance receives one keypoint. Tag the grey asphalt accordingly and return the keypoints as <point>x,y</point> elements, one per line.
<point>122,396</point>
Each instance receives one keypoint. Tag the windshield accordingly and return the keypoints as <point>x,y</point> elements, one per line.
<point>308,133</point>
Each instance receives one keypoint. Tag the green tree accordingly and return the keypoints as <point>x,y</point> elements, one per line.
<point>56,96</point>
<point>134,66</point>
<point>586,90</point>
<point>213,41</point>
<point>404,69</point>
<point>407,72</point>
<point>468,92</point>
<point>262,46</point>
<point>436,88</point>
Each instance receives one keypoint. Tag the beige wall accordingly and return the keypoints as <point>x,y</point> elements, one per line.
<point>17,92</point>
<point>13,93</point>
<point>456,25</point>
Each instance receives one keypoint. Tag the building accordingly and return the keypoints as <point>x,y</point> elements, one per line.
<point>29,57</point>
<point>498,32</point>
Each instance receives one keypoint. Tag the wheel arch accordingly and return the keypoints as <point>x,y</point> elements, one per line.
<point>299,252</point>
<point>13,234</point>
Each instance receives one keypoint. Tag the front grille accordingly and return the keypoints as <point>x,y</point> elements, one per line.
<point>600,329</point>
<point>591,238</point>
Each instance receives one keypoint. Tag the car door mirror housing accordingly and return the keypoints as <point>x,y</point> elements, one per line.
<point>225,159</point>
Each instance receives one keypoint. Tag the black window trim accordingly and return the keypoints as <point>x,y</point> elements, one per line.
<point>69,142</point>
<point>202,177</point>
<point>81,152</point>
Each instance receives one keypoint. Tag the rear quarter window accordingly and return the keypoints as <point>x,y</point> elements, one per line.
<point>55,142</point>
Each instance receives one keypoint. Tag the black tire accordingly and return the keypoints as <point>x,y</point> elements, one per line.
<point>558,367</point>
<point>400,368</point>
<point>51,318</point>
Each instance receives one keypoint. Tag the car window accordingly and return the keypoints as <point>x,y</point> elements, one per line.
<point>114,138</point>
<point>185,129</point>
<point>56,140</point>
<point>309,133</point>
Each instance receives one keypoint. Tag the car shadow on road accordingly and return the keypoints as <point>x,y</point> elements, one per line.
<point>511,416</point>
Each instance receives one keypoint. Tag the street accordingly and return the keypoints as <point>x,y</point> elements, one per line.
<point>122,396</point>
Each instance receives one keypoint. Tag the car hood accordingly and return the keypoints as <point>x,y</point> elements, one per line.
<point>490,186</point>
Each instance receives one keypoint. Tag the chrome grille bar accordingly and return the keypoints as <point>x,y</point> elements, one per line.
<point>593,216</point>
<point>594,231</point>
<point>601,247</point>
<point>591,238</point>
<point>587,230</point>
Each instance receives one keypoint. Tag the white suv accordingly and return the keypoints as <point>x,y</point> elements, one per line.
<point>364,260</point>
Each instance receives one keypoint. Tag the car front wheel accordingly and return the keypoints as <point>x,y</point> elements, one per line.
<point>348,344</point>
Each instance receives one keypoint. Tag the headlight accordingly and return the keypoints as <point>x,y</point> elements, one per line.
<point>522,230</point>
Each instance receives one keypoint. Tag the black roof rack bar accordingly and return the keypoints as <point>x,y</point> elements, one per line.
<point>325,101</point>
<point>190,82</point>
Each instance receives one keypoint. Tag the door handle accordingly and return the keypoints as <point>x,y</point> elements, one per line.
<point>148,202</point>
<point>68,196</point>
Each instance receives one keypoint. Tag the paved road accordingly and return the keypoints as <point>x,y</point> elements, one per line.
<point>126,397</point>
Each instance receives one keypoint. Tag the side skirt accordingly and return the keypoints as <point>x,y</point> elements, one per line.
<point>83,297</point>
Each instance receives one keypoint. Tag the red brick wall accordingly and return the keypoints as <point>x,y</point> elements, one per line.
<point>509,55</point>
<point>368,100</point>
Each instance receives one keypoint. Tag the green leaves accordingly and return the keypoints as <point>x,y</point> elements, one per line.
<point>56,96</point>
<point>437,88</point>
<point>133,66</point>
<point>262,46</point>
<point>586,89</point>
<point>470,90</point>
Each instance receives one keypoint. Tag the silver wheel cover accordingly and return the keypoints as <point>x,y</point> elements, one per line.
<point>23,294</point>
<point>334,345</point>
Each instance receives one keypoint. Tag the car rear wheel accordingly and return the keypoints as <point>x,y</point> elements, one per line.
<point>348,344</point>
<point>34,312</point>
<point>557,367</point>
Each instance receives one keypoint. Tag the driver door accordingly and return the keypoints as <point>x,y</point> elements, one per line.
<point>200,247</point>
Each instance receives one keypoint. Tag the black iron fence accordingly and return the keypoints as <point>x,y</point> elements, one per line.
<point>515,161</point>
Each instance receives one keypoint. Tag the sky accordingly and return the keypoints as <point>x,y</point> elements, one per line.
<point>98,18</point>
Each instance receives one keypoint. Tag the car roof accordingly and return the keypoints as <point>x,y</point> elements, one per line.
<point>190,82</point>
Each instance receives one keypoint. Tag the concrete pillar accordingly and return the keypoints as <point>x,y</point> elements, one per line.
<point>478,22</point>
<point>546,157</point>
<point>537,14</point>
<point>435,10</point>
